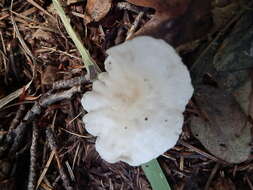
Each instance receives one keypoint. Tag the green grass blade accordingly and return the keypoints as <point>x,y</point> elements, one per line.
<point>155,175</point>
<point>90,65</point>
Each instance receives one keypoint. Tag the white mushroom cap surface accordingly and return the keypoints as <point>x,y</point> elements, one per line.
<point>135,108</point>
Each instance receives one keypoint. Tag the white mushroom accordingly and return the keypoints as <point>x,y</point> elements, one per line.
<point>135,108</point>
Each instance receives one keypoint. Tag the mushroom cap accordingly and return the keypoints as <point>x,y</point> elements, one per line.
<point>135,108</point>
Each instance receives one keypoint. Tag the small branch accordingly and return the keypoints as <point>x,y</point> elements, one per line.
<point>135,25</point>
<point>128,6</point>
<point>15,137</point>
<point>53,146</point>
<point>33,158</point>
<point>42,175</point>
<point>17,118</point>
<point>44,102</point>
<point>216,167</point>
<point>41,9</point>
<point>61,84</point>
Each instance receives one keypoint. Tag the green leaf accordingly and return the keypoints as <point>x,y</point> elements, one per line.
<point>90,65</point>
<point>155,175</point>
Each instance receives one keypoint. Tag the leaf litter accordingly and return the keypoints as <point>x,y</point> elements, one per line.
<point>223,129</point>
<point>188,165</point>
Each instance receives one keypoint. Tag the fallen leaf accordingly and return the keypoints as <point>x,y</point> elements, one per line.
<point>233,62</point>
<point>175,7</point>
<point>176,21</point>
<point>97,9</point>
<point>225,130</point>
<point>229,62</point>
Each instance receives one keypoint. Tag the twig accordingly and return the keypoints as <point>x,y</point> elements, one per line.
<point>4,53</point>
<point>249,183</point>
<point>46,187</point>
<point>71,174</point>
<point>61,84</point>
<point>3,44</point>
<point>135,25</point>
<point>56,181</point>
<point>216,167</point>
<point>40,8</point>
<point>19,16</point>
<point>33,159</point>
<point>76,153</point>
<point>45,169</point>
<point>201,152</point>
<point>21,40</point>
<point>29,11</point>
<point>75,134</point>
<point>15,137</point>
<point>181,163</point>
<point>53,146</point>
<point>17,118</point>
<point>72,120</point>
<point>128,6</point>
<point>59,51</point>
<point>4,16</point>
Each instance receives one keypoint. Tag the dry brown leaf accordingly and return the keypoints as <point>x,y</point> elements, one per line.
<point>229,62</point>
<point>97,9</point>
<point>176,21</point>
<point>225,131</point>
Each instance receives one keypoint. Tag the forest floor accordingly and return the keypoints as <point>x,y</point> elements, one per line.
<point>43,142</point>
